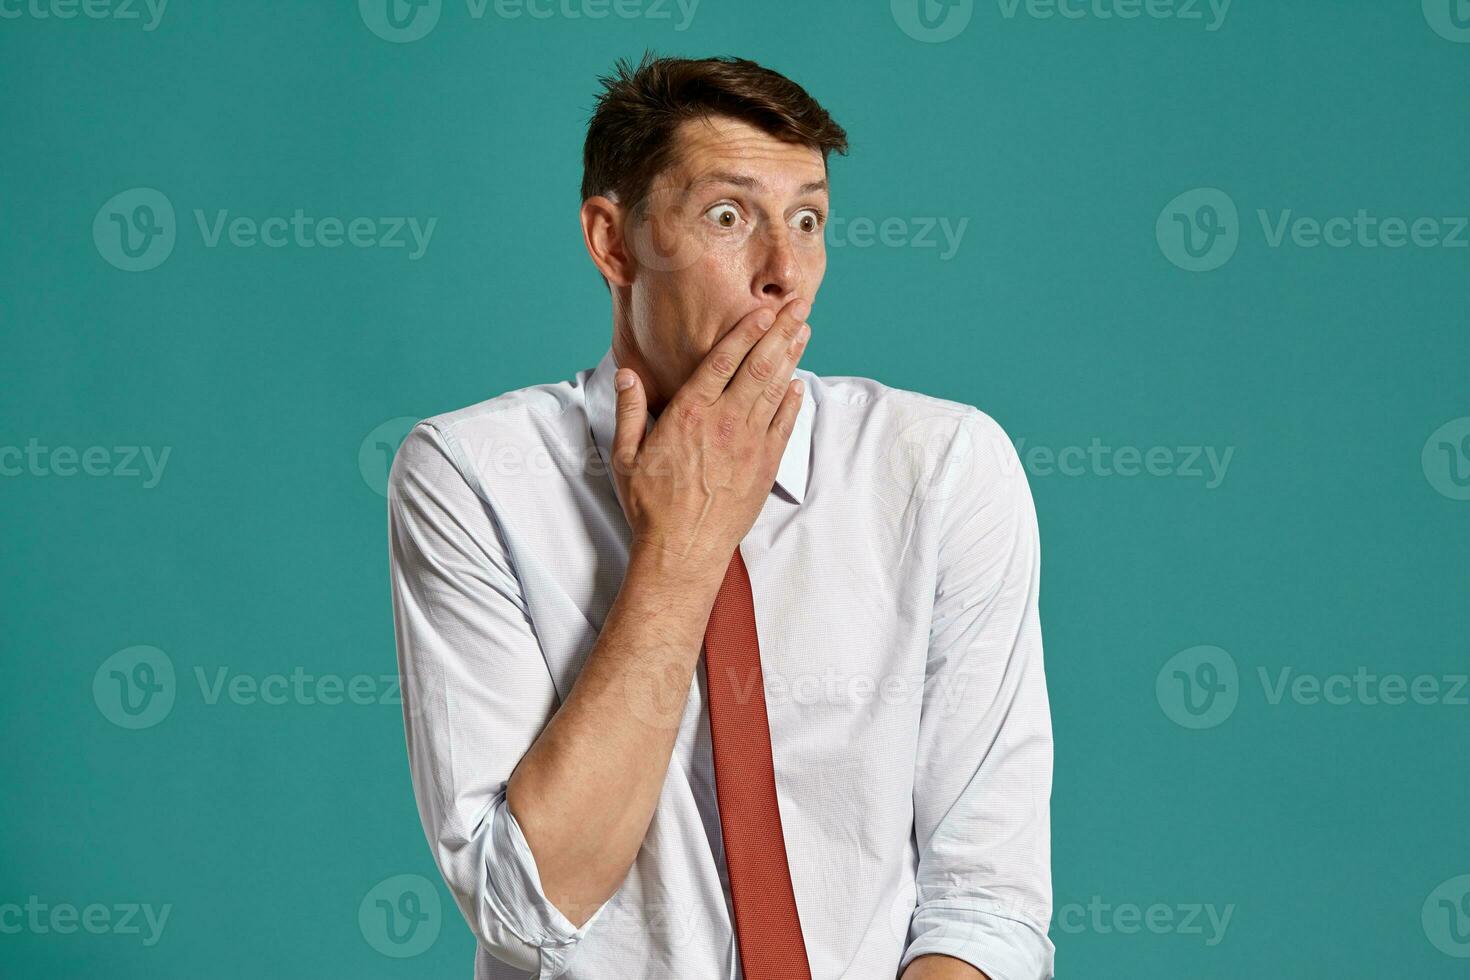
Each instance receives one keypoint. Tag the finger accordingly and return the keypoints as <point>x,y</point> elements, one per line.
<point>756,389</point>
<point>783,423</point>
<point>709,380</point>
<point>631,420</point>
<point>768,402</point>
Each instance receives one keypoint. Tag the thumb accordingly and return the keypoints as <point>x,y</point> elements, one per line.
<point>631,420</point>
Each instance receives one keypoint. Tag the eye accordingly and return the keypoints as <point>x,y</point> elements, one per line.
<point>808,220</point>
<point>724,215</point>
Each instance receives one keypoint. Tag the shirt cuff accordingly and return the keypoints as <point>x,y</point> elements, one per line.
<point>1000,946</point>
<point>515,885</point>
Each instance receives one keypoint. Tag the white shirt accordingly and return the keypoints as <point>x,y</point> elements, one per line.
<point>895,572</point>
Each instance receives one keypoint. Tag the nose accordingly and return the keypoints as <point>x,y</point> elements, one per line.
<point>778,273</point>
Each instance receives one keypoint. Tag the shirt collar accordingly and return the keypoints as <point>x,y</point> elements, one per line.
<point>791,476</point>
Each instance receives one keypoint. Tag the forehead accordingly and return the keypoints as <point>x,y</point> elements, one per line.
<point>720,144</point>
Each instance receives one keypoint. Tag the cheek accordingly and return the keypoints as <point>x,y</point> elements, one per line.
<point>728,256</point>
<point>814,266</point>
<point>657,308</point>
<point>692,303</point>
<point>722,272</point>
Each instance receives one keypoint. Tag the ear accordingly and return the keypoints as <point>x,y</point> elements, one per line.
<point>604,223</point>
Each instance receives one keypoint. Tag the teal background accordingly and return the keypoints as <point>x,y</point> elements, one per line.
<point>1329,545</point>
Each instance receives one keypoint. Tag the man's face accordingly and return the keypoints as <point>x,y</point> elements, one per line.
<point>734,224</point>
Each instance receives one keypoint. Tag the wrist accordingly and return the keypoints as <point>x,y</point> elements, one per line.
<point>691,574</point>
<point>678,590</point>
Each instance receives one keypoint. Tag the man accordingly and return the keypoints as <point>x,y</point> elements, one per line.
<point>714,667</point>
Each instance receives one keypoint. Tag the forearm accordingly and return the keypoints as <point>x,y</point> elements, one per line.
<point>937,967</point>
<point>586,790</point>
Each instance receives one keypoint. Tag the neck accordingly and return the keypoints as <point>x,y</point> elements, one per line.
<point>627,355</point>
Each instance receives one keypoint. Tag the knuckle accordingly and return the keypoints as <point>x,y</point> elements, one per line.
<point>689,416</point>
<point>723,362</point>
<point>726,428</point>
<point>761,368</point>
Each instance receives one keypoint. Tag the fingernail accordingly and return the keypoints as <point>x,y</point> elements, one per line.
<point>800,309</point>
<point>764,319</point>
<point>624,380</point>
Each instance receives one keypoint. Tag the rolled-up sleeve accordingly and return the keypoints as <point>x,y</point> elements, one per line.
<point>476,693</point>
<point>982,790</point>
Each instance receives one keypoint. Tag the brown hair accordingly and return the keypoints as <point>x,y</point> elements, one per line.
<point>630,137</point>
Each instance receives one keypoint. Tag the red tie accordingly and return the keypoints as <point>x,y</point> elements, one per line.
<point>766,922</point>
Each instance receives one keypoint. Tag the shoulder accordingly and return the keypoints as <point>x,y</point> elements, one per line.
<point>521,423</point>
<point>905,416</point>
<point>532,406</point>
<point>949,458</point>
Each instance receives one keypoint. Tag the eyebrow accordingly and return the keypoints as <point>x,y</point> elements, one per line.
<point>749,183</point>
